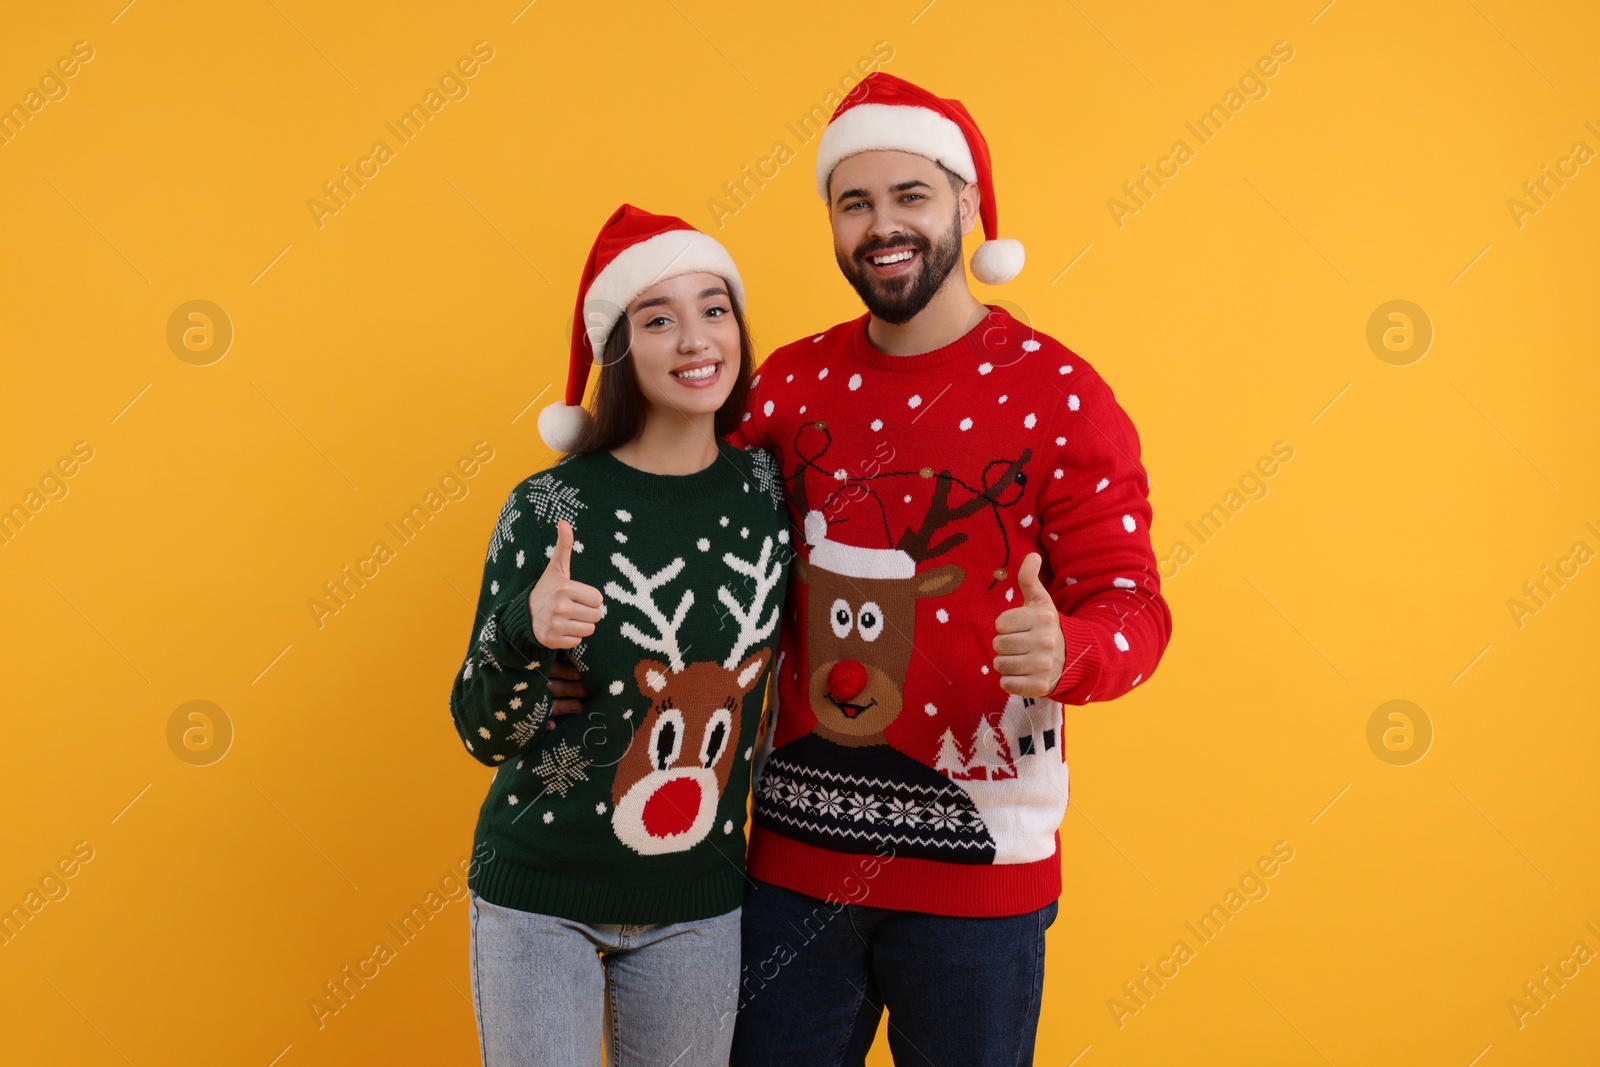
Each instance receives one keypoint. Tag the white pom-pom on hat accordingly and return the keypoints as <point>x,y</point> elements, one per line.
<point>997,262</point>
<point>560,425</point>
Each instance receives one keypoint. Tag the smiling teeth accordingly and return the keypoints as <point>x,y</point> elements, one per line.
<point>898,257</point>
<point>699,372</point>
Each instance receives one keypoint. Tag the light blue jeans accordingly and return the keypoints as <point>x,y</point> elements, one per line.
<point>542,987</point>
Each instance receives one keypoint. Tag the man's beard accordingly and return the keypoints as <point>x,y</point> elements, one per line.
<point>900,299</point>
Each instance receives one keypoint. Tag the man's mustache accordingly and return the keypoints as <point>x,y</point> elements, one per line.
<point>917,241</point>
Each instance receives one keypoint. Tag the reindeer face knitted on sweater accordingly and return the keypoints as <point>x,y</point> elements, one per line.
<point>860,629</point>
<point>670,780</point>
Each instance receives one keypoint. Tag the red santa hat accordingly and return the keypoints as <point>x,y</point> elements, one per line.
<point>634,251</point>
<point>885,113</point>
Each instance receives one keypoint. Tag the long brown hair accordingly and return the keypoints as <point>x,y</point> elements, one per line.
<point>620,406</point>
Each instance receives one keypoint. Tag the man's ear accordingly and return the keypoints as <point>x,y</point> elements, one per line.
<point>969,199</point>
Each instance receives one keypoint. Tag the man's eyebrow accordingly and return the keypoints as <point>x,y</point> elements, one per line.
<point>898,187</point>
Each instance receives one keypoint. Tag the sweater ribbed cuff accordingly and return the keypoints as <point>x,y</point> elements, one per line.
<point>514,635</point>
<point>1082,662</point>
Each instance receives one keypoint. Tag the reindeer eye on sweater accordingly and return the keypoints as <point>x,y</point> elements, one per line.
<point>870,621</point>
<point>840,617</point>
<point>718,729</point>
<point>666,738</point>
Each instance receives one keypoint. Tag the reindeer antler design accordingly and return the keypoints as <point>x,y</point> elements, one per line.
<point>643,598</point>
<point>766,581</point>
<point>918,543</point>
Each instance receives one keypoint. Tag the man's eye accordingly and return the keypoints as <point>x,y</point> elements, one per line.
<point>912,196</point>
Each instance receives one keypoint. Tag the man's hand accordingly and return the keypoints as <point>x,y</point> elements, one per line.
<point>1030,651</point>
<point>566,691</point>
<point>563,612</point>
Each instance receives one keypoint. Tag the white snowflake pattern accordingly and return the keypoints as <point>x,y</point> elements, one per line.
<point>553,499</point>
<point>562,767</point>
<point>827,801</point>
<point>765,469</point>
<point>502,535</point>
<point>486,637</point>
<point>527,727</point>
<point>943,816</point>
<point>902,811</point>
<point>861,807</point>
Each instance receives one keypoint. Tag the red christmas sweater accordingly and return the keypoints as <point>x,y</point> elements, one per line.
<point>898,772</point>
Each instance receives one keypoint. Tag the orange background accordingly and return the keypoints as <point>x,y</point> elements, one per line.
<point>430,312</point>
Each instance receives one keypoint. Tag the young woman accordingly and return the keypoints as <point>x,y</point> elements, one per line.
<point>653,557</point>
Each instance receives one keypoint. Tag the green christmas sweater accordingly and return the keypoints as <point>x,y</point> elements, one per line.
<point>633,810</point>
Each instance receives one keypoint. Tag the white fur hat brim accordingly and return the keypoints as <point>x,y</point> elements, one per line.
<point>893,128</point>
<point>666,255</point>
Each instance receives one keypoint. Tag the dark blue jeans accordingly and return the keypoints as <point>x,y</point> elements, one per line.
<point>815,978</point>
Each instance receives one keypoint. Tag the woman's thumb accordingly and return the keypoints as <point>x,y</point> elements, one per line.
<point>561,558</point>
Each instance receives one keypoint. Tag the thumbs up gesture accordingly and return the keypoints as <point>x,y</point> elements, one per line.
<point>563,612</point>
<point>1030,651</point>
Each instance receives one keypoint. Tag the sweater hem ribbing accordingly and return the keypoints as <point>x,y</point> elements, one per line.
<point>902,883</point>
<point>511,885</point>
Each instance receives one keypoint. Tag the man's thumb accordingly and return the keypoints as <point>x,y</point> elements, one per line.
<point>1033,590</point>
<point>561,558</point>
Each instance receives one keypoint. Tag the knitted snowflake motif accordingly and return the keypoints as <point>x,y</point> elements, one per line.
<point>524,729</point>
<point>502,528</point>
<point>766,472</point>
<point>485,636</point>
<point>561,767</point>
<point>553,499</point>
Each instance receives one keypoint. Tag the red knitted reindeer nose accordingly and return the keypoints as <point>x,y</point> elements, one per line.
<point>846,679</point>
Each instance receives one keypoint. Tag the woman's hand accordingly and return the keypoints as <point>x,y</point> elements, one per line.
<point>563,612</point>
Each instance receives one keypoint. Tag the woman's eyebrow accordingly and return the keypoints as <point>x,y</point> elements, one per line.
<point>715,290</point>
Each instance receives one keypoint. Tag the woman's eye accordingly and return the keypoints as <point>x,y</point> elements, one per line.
<point>659,320</point>
<point>717,311</point>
